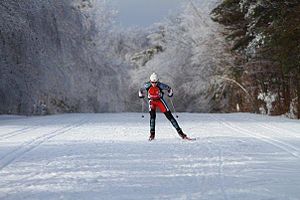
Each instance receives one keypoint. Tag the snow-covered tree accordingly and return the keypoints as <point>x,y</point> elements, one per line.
<point>191,54</point>
<point>68,56</point>
<point>58,55</point>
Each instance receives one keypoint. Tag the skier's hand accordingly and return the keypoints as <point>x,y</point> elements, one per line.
<point>170,93</point>
<point>141,95</point>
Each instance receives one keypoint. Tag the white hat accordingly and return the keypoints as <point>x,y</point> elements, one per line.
<point>154,77</point>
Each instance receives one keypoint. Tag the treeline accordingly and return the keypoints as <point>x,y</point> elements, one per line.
<point>69,56</point>
<point>263,36</point>
<point>59,56</point>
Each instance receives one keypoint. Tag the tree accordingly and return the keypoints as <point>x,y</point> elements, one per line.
<point>56,55</point>
<point>266,40</point>
<point>191,55</point>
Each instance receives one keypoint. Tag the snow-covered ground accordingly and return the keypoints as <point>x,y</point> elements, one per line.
<point>108,156</point>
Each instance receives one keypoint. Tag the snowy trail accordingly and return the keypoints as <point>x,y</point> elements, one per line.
<point>107,156</point>
<point>255,134</point>
<point>34,143</point>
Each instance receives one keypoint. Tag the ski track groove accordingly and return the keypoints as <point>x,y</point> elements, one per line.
<point>275,128</point>
<point>220,168</point>
<point>34,143</point>
<point>25,130</point>
<point>221,173</point>
<point>290,149</point>
<point>17,132</point>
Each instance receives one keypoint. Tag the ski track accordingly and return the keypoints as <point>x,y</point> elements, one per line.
<point>279,130</point>
<point>220,168</point>
<point>28,146</point>
<point>290,149</point>
<point>34,126</point>
<point>17,132</point>
<point>34,143</point>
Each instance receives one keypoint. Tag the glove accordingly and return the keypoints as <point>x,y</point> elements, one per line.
<point>141,95</point>
<point>170,93</point>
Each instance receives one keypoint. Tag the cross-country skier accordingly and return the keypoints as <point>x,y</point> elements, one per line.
<point>154,90</point>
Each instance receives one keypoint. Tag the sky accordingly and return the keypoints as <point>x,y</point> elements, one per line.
<point>144,13</point>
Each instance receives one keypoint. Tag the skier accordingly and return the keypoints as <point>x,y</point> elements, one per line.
<point>155,89</point>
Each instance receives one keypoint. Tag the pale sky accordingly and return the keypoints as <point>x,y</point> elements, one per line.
<point>144,12</point>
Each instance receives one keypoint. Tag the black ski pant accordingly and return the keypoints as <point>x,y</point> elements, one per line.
<point>169,116</point>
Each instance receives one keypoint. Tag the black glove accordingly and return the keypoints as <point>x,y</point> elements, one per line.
<point>141,95</point>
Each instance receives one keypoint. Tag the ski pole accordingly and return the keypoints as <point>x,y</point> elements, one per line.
<point>142,101</point>
<point>173,108</point>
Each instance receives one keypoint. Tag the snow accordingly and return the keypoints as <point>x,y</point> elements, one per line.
<point>107,156</point>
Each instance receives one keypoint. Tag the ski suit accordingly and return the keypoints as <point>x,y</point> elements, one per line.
<point>155,96</point>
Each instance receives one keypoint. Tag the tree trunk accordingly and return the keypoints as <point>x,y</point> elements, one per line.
<point>286,92</point>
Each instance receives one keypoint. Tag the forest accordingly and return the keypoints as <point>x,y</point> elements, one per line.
<point>218,56</point>
<point>264,42</point>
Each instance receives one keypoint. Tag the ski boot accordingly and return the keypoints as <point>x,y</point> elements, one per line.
<point>184,136</point>
<point>152,136</point>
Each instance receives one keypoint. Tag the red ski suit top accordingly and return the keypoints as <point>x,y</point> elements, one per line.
<point>155,96</point>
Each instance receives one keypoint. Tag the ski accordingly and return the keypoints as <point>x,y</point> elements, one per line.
<point>189,139</point>
<point>186,138</point>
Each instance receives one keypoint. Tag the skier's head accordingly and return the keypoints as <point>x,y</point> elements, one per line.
<point>153,78</point>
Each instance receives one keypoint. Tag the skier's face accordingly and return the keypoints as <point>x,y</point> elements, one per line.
<point>153,83</point>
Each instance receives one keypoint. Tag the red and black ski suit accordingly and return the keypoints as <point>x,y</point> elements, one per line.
<point>156,100</point>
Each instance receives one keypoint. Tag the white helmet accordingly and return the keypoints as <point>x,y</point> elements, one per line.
<point>154,77</point>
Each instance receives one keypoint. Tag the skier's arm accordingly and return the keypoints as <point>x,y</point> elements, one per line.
<point>142,91</point>
<point>167,88</point>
